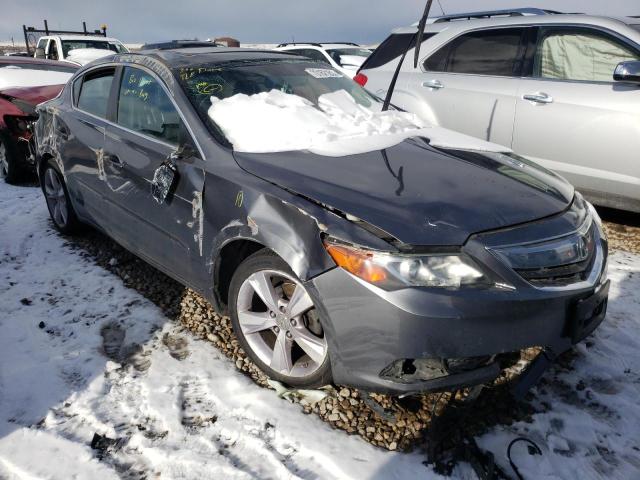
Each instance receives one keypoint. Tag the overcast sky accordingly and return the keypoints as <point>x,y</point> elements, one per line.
<point>258,21</point>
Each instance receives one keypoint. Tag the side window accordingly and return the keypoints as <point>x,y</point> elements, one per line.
<point>94,94</point>
<point>144,107</point>
<point>42,44</point>
<point>491,52</point>
<point>580,55</point>
<point>53,50</point>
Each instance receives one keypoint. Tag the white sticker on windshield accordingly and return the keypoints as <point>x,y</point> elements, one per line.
<point>323,73</point>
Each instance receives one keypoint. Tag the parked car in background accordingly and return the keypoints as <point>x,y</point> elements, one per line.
<point>173,44</point>
<point>79,49</point>
<point>393,262</point>
<point>344,57</point>
<point>562,90</point>
<point>24,83</point>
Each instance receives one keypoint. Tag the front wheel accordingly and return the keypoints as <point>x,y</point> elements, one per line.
<point>55,192</point>
<point>277,323</point>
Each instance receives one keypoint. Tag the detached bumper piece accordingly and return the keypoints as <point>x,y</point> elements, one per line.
<point>436,375</point>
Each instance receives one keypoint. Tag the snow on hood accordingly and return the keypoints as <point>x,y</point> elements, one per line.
<point>87,55</point>
<point>16,76</point>
<point>274,121</point>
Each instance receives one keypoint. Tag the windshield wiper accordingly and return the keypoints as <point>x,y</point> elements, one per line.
<point>418,39</point>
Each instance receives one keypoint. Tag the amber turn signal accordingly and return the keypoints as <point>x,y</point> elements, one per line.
<point>357,262</point>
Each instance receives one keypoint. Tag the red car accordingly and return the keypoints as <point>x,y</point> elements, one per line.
<point>24,83</point>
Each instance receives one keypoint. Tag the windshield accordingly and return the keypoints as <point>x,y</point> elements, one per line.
<point>68,45</point>
<point>277,105</point>
<point>306,79</point>
<point>337,53</point>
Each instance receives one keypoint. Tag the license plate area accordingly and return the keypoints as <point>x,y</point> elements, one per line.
<point>588,313</point>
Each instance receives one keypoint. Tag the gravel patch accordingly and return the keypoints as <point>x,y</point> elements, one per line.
<point>623,229</point>
<point>623,237</point>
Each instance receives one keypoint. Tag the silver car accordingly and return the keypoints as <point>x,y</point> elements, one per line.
<point>562,90</point>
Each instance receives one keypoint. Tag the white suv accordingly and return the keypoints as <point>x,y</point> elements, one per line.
<point>344,57</point>
<point>540,83</point>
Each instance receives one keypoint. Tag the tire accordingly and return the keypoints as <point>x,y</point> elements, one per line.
<point>289,346</point>
<point>9,166</point>
<point>57,197</point>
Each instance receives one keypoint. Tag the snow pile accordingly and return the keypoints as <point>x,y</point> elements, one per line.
<point>276,122</point>
<point>83,56</point>
<point>338,126</point>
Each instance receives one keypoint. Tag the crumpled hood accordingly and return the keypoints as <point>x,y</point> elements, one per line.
<point>418,194</point>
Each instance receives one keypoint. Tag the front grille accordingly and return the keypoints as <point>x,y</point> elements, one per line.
<point>555,263</point>
<point>559,276</point>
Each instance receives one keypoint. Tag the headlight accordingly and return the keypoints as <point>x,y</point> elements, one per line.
<point>391,271</point>
<point>597,220</point>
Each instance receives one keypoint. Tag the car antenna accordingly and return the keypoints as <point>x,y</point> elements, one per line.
<point>418,38</point>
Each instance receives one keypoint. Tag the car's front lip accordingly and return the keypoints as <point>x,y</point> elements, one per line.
<point>370,328</point>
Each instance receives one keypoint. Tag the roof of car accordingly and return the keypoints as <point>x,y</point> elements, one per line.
<point>13,60</point>
<point>197,56</point>
<point>319,45</point>
<point>573,18</point>
<point>178,44</point>
<point>83,37</point>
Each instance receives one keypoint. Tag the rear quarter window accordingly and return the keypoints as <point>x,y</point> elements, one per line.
<point>393,47</point>
<point>94,93</point>
<point>490,52</point>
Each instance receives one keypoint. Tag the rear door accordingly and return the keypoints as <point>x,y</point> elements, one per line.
<point>82,139</point>
<point>470,84</point>
<point>139,149</point>
<point>573,118</point>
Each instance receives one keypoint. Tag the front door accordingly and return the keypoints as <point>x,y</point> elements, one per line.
<point>573,118</point>
<point>140,150</point>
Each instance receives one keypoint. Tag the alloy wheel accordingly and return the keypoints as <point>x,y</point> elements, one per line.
<point>56,198</point>
<point>4,162</point>
<point>278,320</point>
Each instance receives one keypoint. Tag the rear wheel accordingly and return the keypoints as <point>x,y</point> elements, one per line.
<point>277,323</point>
<point>57,197</point>
<point>9,170</point>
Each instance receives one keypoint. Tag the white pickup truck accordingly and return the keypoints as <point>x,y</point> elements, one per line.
<point>78,49</point>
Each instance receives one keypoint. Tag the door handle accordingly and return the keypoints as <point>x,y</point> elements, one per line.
<point>539,97</point>
<point>434,84</point>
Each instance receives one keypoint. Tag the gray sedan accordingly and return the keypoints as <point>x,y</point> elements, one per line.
<point>402,270</point>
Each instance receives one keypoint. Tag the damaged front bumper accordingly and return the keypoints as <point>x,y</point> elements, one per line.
<point>425,340</point>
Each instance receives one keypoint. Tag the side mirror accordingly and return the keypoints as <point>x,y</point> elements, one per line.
<point>627,72</point>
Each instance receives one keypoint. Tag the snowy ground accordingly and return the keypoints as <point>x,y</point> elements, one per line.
<point>69,368</point>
